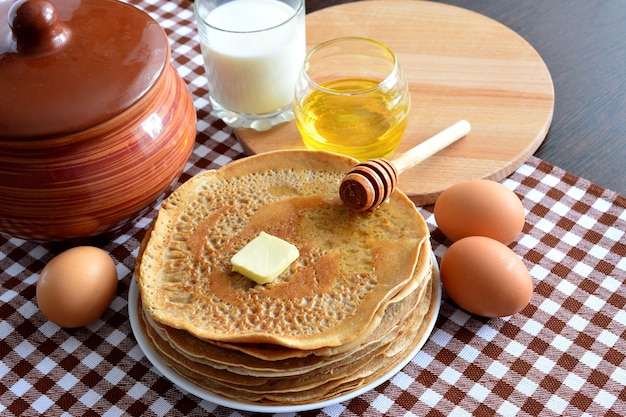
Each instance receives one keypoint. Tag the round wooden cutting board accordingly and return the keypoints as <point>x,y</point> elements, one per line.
<point>460,65</point>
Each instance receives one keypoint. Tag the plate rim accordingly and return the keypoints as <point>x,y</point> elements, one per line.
<point>188,386</point>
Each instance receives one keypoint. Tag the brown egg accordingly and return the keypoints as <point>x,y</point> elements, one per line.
<point>479,208</point>
<point>77,286</point>
<point>485,277</point>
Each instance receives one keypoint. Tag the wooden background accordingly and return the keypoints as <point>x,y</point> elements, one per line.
<point>583,43</point>
<point>459,65</point>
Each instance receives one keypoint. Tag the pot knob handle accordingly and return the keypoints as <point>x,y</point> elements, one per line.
<point>36,27</point>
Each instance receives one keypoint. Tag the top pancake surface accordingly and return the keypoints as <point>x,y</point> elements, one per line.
<point>350,265</point>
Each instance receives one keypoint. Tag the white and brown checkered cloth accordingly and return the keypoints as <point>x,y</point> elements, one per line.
<point>564,354</point>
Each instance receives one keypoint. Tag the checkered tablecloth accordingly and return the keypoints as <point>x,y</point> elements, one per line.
<point>564,354</point>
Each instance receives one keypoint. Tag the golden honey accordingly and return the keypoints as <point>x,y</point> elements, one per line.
<point>353,117</point>
<point>351,98</point>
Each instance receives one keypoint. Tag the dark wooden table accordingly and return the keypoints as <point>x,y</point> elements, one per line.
<point>584,46</point>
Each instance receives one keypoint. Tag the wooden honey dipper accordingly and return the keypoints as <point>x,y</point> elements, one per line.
<point>371,182</point>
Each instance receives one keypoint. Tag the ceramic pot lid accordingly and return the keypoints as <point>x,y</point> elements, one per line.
<point>67,65</point>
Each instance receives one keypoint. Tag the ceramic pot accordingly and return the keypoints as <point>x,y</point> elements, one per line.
<point>95,123</point>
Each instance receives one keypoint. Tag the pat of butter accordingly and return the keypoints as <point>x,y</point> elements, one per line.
<point>264,258</point>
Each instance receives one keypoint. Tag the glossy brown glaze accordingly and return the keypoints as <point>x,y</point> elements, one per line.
<point>63,186</point>
<point>36,27</point>
<point>66,66</point>
<point>93,181</point>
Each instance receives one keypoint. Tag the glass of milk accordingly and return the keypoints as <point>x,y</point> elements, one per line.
<point>253,51</point>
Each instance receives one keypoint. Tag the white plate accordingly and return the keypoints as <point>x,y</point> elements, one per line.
<point>203,393</point>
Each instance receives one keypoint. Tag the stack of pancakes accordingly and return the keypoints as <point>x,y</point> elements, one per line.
<point>354,304</point>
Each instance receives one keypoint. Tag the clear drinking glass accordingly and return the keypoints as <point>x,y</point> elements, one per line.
<point>253,51</point>
<point>352,98</point>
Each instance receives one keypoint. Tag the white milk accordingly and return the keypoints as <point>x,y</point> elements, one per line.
<point>252,69</point>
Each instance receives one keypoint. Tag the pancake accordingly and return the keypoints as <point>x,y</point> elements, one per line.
<point>351,265</point>
<point>398,303</point>
<point>358,298</point>
<point>218,357</point>
<point>317,386</point>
